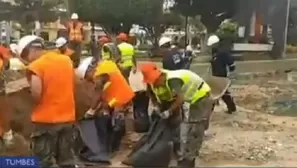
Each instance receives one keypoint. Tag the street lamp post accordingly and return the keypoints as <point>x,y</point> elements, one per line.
<point>286,27</point>
<point>187,24</point>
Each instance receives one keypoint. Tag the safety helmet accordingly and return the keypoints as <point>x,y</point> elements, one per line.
<point>189,48</point>
<point>60,42</point>
<point>213,39</point>
<point>25,41</point>
<point>13,48</point>
<point>122,36</point>
<point>103,39</point>
<point>164,40</point>
<point>150,72</point>
<point>74,16</point>
<point>81,70</point>
<point>16,64</point>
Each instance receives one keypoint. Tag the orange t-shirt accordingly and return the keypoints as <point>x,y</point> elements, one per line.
<point>57,100</point>
<point>4,55</point>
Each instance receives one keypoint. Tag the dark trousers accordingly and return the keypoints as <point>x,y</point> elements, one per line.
<point>126,73</point>
<point>141,102</point>
<point>228,99</point>
<point>76,47</point>
<point>140,112</point>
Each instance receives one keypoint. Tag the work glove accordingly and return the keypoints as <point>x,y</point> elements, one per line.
<point>89,114</point>
<point>165,114</point>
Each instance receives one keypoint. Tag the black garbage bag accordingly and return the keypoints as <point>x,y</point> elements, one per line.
<point>140,112</point>
<point>154,149</point>
<point>95,135</point>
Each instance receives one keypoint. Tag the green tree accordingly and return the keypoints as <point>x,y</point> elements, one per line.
<point>28,11</point>
<point>118,15</point>
<point>212,12</point>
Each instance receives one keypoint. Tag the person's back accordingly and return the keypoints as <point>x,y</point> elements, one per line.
<point>222,63</point>
<point>57,100</point>
<point>172,60</point>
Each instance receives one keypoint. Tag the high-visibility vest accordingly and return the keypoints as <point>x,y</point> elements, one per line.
<point>127,53</point>
<point>105,55</point>
<point>111,53</point>
<point>194,87</point>
<point>116,92</point>
<point>75,33</point>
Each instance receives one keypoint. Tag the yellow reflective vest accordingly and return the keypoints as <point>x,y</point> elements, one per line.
<point>194,87</point>
<point>127,53</point>
<point>107,55</point>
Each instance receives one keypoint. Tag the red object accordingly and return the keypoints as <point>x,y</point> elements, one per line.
<point>103,39</point>
<point>150,72</point>
<point>122,36</point>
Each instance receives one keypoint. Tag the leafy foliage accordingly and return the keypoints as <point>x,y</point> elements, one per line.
<point>228,30</point>
<point>114,13</point>
<point>27,11</point>
<point>212,12</point>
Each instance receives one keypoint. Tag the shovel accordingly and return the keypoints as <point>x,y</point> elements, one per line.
<point>218,85</point>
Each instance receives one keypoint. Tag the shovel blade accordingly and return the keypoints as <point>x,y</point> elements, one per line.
<point>218,86</point>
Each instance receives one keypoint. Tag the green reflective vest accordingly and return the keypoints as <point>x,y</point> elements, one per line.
<point>127,53</point>
<point>194,87</point>
<point>105,55</point>
<point>110,53</point>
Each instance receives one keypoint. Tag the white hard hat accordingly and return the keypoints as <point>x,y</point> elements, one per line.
<point>74,16</point>
<point>16,64</point>
<point>60,42</point>
<point>213,39</point>
<point>189,48</point>
<point>164,40</point>
<point>13,47</point>
<point>81,70</point>
<point>24,41</point>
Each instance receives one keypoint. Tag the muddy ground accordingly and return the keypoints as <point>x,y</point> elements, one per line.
<point>261,133</point>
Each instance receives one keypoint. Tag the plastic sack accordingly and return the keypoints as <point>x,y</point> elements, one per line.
<point>153,149</point>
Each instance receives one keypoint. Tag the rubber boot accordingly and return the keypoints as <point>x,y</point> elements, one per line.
<point>228,99</point>
<point>185,163</point>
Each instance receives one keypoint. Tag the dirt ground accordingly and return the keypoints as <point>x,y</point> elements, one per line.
<point>261,133</point>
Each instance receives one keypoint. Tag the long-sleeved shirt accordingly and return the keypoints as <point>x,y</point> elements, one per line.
<point>222,63</point>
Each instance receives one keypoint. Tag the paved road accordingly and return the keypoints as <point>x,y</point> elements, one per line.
<point>249,66</point>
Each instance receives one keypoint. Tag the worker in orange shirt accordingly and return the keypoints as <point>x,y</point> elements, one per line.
<point>107,77</point>
<point>62,46</point>
<point>51,79</point>
<point>75,35</point>
<point>112,92</point>
<point>5,131</point>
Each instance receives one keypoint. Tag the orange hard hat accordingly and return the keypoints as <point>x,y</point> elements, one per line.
<point>150,72</point>
<point>122,36</point>
<point>103,39</point>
